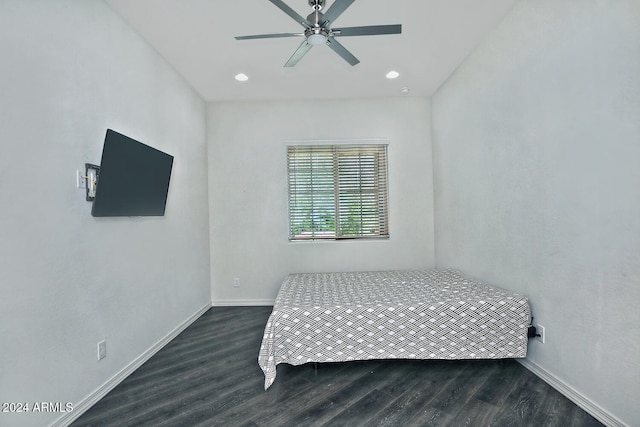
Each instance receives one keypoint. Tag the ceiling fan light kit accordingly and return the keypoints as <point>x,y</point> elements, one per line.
<point>317,39</point>
<point>318,31</point>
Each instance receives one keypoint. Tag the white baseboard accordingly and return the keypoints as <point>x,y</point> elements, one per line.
<point>94,397</point>
<point>572,394</point>
<point>241,302</point>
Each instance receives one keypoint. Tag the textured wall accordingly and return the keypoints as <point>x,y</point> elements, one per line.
<point>248,190</point>
<point>537,184</point>
<point>70,69</point>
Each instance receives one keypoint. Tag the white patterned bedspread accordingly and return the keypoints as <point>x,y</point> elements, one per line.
<point>417,314</point>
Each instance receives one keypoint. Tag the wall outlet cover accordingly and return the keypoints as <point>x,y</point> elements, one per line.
<point>81,182</point>
<point>541,332</point>
<point>102,349</point>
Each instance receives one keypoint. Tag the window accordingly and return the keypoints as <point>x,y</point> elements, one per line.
<point>337,191</point>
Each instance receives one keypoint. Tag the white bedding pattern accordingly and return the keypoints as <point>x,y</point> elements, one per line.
<point>413,314</point>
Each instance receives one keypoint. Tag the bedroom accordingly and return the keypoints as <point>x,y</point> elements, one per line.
<point>544,171</point>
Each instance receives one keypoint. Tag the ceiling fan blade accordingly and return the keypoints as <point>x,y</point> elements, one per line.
<point>269,36</point>
<point>292,13</point>
<point>369,30</point>
<point>335,10</point>
<point>342,51</point>
<point>298,54</point>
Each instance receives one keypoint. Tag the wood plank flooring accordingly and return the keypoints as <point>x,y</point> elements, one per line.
<point>209,376</point>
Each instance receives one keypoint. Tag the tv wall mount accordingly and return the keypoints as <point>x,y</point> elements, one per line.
<point>91,174</point>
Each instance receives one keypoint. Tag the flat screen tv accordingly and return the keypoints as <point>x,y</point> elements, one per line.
<point>133,179</point>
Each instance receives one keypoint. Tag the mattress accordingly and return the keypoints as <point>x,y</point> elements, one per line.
<point>413,314</point>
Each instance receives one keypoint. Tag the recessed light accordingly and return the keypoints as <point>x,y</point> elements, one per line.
<point>404,90</point>
<point>242,77</point>
<point>392,74</point>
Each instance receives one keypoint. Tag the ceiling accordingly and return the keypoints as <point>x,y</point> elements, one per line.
<point>197,38</point>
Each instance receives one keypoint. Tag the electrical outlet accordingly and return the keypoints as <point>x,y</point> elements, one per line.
<point>540,331</point>
<point>236,282</point>
<point>102,349</point>
<point>81,182</point>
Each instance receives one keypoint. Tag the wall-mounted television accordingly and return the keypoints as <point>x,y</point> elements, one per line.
<point>133,178</point>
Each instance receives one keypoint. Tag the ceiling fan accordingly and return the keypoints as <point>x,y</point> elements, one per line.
<point>318,31</point>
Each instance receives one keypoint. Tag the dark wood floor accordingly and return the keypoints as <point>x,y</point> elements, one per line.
<point>209,376</point>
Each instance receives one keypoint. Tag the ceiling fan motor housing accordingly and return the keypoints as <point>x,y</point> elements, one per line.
<point>315,18</point>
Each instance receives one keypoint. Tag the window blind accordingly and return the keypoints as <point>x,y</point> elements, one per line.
<point>337,191</point>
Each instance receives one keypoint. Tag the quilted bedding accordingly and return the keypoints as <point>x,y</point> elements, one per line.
<point>413,314</point>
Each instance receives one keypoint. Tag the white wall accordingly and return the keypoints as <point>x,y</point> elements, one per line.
<point>248,191</point>
<point>69,69</point>
<point>537,152</point>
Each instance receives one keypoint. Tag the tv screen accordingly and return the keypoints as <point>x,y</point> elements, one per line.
<point>133,179</point>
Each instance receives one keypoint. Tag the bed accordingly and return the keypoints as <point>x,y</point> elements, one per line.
<point>408,314</point>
